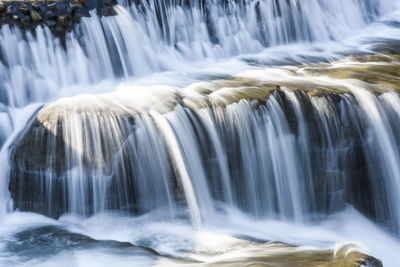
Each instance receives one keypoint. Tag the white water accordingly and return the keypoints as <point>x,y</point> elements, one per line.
<point>238,171</point>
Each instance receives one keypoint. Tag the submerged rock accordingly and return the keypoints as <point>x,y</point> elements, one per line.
<point>36,17</point>
<point>48,241</point>
<point>274,254</point>
<point>380,73</point>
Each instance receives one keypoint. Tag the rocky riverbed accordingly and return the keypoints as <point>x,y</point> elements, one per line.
<point>58,15</point>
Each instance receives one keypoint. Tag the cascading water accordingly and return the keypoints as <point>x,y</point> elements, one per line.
<point>153,36</point>
<point>141,121</point>
<point>254,158</point>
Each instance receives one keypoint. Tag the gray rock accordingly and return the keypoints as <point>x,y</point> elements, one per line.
<point>2,7</point>
<point>24,9</point>
<point>64,20</point>
<point>59,16</point>
<point>36,17</point>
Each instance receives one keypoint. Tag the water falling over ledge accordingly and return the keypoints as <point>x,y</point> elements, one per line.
<point>291,147</point>
<point>181,133</point>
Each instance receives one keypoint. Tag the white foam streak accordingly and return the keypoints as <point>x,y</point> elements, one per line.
<point>179,162</point>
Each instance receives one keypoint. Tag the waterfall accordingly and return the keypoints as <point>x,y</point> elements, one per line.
<point>229,118</point>
<point>294,157</point>
<point>155,36</point>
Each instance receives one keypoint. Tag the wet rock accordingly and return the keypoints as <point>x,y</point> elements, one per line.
<point>74,6</point>
<point>64,20</point>
<point>35,5</point>
<point>107,11</point>
<point>378,72</point>
<point>60,15</point>
<point>47,241</point>
<point>25,21</point>
<point>50,15</point>
<point>2,7</point>
<point>52,6</point>
<point>24,9</point>
<point>59,30</point>
<point>10,10</point>
<point>279,255</point>
<point>51,23</point>
<point>36,17</point>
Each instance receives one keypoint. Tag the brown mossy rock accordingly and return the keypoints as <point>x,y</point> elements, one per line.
<point>36,17</point>
<point>376,72</point>
<point>274,254</point>
<point>379,72</point>
<point>64,20</point>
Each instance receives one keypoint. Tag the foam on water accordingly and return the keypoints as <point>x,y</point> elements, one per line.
<point>233,237</point>
<point>211,175</point>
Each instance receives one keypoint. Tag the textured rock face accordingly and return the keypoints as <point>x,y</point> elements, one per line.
<point>59,15</point>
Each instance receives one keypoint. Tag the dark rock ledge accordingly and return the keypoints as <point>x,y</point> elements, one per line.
<point>59,16</point>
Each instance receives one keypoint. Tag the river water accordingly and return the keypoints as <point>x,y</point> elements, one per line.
<point>201,132</point>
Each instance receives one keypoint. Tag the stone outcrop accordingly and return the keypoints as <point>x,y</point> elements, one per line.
<point>59,15</point>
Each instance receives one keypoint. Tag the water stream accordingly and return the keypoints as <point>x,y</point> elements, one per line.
<point>185,132</point>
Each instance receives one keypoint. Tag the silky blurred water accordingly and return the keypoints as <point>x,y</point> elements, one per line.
<point>161,165</point>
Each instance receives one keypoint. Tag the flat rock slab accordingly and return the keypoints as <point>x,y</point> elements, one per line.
<point>59,16</point>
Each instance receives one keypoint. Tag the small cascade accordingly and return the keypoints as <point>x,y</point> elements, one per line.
<point>294,157</point>
<point>154,36</point>
<point>382,147</point>
<point>182,170</point>
<point>193,120</point>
